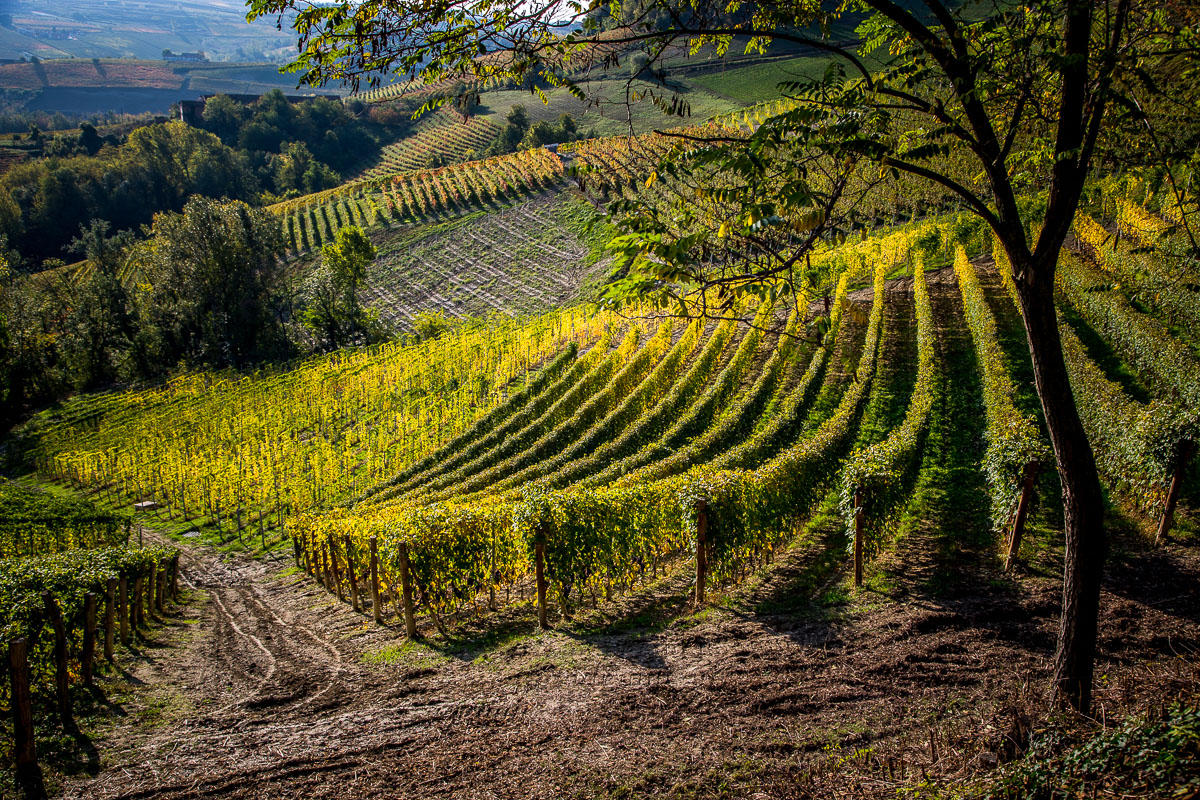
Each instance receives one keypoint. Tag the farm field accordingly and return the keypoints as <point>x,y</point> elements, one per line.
<point>923,370</point>
<point>756,83</point>
<point>99,29</point>
<point>611,117</point>
<point>807,435</point>
<point>607,116</point>
<point>430,195</point>
<point>524,259</point>
<point>442,135</point>
<point>99,85</point>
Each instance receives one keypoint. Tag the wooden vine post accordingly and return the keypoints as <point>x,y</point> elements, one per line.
<point>137,605</point>
<point>337,572</point>
<point>88,657</point>
<point>29,775</point>
<point>1186,450</point>
<point>375,611</point>
<point>410,619</point>
<point>123,610</point>
<point>110,608</point>
<point>539,561</point>
<point>858,537</point>
<point>351,568</point>
<point>62,686</point>
<point>327,553</point>
<point>175,577</point>
<point>152,593</point>
<point>1018,528</point>
<point>160,590</point>
<point>296,550</point>
<point>701,549</point>
<point>492,574</point>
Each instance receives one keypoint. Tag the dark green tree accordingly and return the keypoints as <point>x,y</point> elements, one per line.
<point>89,139</point>
<point>332,310</point>
<point>224,116</point>
<point>99,327</point>
<point>208,288</point>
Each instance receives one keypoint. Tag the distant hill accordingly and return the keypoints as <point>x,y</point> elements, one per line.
<point>98,85</point>
<point>51,29</point>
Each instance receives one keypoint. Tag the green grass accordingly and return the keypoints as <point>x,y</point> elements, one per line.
<point>407,652</point>
<point>887,401</point>
<point>949,499</point>
<point>224,539</point>
<point>1044,525</point>
<point>611,117</point>
<point>758,83</point>
<point>805,582</point>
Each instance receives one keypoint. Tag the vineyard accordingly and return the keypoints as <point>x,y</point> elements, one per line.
<point>524,259</point>
<point>439,136</point>
<point>598,453</point>
<point>428,195</point>
<point>535,468</point>
<point>281,454</point>
<point>71,587</point>
<point>600,401</point>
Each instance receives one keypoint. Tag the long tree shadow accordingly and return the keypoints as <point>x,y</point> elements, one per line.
<point>947,521</point>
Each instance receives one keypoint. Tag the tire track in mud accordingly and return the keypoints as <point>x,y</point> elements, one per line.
<point>302,666</point>
<point>257,675</point>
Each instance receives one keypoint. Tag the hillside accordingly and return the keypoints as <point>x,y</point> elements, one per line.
<point>836,690</point>
<point>87,86</point>
<point>621,430</point>
<point>525,259</point>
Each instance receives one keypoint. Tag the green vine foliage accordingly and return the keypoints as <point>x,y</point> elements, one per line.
<point>885,469</point>
<point>1137,446</point>
<point>1013,438</point>
<point>754,511</point>
<point>68,575</point>
<point>36,523</point>
<point>755,445</point>
<point>1141,341</point>
<point>609,459</point>
<point>541,389</point>
<point>1144,273</point>
<point>1004,267</point>
<point>601,539</point>
<point>602,364</point>
<point>635,366</point>
<point>580,369</point>
<point>664,457</point>
<point>631,410</point>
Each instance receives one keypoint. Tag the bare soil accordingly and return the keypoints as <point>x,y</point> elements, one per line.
<point>264,686</point>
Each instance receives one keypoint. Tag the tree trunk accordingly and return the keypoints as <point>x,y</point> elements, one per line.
<point>1083,509</point>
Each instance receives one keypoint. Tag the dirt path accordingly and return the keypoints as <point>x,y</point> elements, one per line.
<point>265,692</point>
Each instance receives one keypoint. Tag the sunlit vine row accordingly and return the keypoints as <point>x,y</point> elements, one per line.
<point>280,443</point>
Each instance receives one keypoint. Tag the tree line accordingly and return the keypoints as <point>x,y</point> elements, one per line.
<point>205,290</point>
<point>258,153</point>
